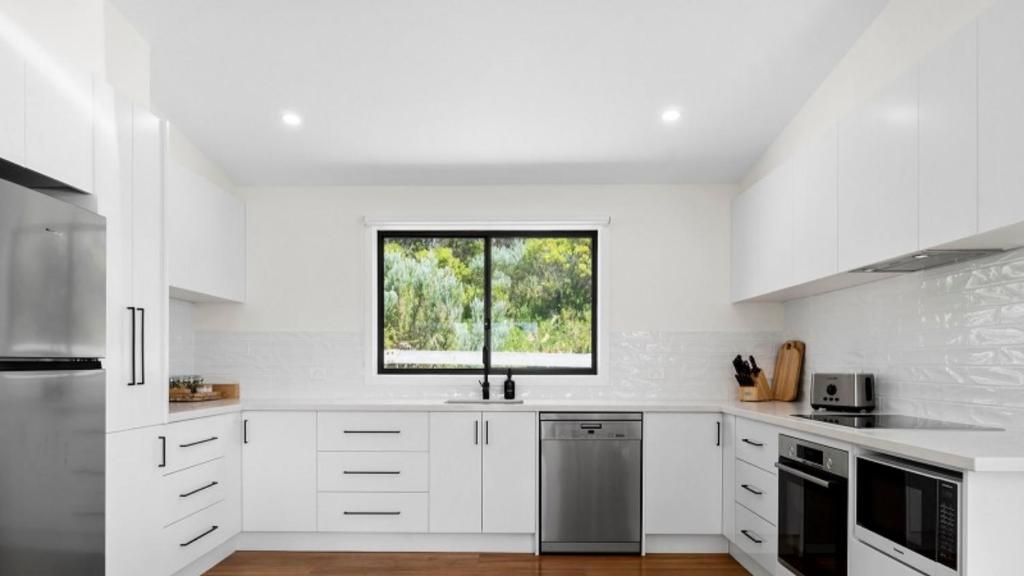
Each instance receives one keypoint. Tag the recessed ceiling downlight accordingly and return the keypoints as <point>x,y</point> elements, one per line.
<point>671,116</point>
<point>291,119</point>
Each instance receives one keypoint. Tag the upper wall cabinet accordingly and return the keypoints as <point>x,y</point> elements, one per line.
<point>744,264</point>
<point>774,224</point>
<point>12,105</point>
<point>206,238</point>
<point>814,209</point>
<point>877,185</point>
<point>948,122</point>
<point>1001,122</point>
<point>58,124</point>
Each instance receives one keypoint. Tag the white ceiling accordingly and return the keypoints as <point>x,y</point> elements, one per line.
<point>490,91</point>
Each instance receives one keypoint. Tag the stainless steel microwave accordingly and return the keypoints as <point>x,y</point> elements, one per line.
<point>910,512</point>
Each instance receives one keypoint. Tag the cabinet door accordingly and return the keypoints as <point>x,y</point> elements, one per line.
<point>774,225</point>
<point>58,125</point>
<point>744,262</point>
<point>134,522</point>
<point>279,471</point>
<point>814,209</point>
<point>149,286</point>
<point>683,473</point>
<point>12,104</point>
<point>949,141</point>
<point>455,468</point>
<point>510,472</point>
<point>1001,120</point>
<point>877,199</point>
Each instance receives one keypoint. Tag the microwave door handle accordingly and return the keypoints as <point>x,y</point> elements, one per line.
<point>803,475</point>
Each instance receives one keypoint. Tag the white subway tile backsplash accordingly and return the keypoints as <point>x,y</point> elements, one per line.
<point>642,366</point>
<point>945,343</point>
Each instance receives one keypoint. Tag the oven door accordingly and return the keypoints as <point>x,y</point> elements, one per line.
<point>812,520</point>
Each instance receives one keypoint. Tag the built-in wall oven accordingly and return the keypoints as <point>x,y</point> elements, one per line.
<point>910,512</point>
<point>813,499</point>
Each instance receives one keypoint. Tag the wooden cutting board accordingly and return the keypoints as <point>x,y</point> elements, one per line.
<point>789,364</point>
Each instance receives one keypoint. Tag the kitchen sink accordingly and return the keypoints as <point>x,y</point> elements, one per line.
<point>481,401</point>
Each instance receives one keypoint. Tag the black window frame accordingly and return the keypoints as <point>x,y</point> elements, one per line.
<point>488,236</point>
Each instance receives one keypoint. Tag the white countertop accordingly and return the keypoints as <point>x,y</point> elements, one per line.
<point>971,450</point>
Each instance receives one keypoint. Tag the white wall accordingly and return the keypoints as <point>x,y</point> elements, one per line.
<point>904,32</point>
<point>303,329</point>
<point>669,252</point>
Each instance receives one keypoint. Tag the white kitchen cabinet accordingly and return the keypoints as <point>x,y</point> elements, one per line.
<point>12,104</point>
<point>773,242</point>
<point>59,124</point>
<point>455,472</point>
<point>279,472</point>
<point>1001,117</point>
<point>948,124</point>
<point>867,560</point>
<point>878,184</point>
<point>683,473</point>
<point>814,208</point>
<point>510,472</point>
<point>129,153</point>
<point>206,238</point>
<point>744,264</point>
<point>135,517</point>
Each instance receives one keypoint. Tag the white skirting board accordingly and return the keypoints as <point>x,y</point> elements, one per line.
<point>689,544</point>
<point>347,542</point>
<point>210,559</point>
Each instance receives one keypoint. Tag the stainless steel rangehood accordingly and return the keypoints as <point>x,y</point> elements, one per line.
<point>926,259</point>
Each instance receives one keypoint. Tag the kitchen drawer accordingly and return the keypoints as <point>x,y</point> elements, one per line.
<point>372,431</point>
<point>757,538</point>
<point>372,471</point>
<point>189,538</point>
<point>190,490</point>
<point>196,441</point>
<point>361,512</point>
<point>758,491</point>
<point>866,560</point>
<point>757,444</point>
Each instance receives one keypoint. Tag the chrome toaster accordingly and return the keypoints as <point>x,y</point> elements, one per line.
<point>846,392</point>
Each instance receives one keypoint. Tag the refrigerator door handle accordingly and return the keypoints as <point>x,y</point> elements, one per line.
<point>132,310</point>
<point>142,347</point>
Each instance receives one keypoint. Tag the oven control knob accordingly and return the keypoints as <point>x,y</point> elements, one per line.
<point>828,463</point>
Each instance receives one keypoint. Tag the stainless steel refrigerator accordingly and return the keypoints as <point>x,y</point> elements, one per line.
<point>52,386</point>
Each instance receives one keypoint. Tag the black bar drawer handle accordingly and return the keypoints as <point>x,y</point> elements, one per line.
<point>198,490</point>
<point>198,442</point>
<point>751,489</point>
<point>371,472</point>
<point>752,443</point>
<point>200,537</point>
<point>351,513</point>
<point>373,431</point>
<point>755,538</point>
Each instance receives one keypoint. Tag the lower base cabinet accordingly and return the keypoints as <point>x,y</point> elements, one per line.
<point>866,560</point>
<point>372,512</point>
<point>279,472</point>
<point>756,537</point>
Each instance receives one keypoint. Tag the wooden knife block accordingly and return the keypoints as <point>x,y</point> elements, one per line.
<point>759,392</point>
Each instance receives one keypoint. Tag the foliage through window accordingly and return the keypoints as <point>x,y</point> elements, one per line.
<point>450,301</point>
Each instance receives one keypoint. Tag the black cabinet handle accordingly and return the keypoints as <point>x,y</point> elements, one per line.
<point>351,513</point>
<point>476,432</point>
<point>755,538</point>
<point>245,431</point>
<point>372,431</point>
<point>198,442</point>
<point>748,488</point>
<point>200,537</point>
<point>198,490</point>
<point>142,347</point>
<point>487,431</point>
<point>752,443</point>
<point>371,472</point>
<point>718,433</point>
<point>132,310</point>
<point>163,451</point>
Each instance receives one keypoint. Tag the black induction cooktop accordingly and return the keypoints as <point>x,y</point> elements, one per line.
<point>887,421</point>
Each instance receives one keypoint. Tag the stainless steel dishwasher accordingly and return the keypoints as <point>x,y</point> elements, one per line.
<point>590,482</point>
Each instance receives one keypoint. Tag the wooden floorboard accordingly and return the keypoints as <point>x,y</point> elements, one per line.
<point>433,564</point>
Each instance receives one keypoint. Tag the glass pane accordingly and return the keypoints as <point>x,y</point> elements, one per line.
<point>542,302</point>
<point>433,303</point>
